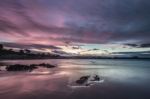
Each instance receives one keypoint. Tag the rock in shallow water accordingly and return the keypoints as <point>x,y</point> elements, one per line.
<point>19,67</point>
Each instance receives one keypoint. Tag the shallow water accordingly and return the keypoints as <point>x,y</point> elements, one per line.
<point>122,79</point>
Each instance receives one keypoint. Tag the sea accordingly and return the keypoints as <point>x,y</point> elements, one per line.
<point>119,79</point>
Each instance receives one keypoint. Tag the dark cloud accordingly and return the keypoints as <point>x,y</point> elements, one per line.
<point>17,9</point>
<point>60,52</point>
<point>147,45</point>
<point>94,49</point>
<point>29,46</point>
<point>6,26</point>
<point>131,45</point>
<point>76,47</point>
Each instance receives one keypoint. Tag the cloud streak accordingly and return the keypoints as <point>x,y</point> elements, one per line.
<point>29,46</point>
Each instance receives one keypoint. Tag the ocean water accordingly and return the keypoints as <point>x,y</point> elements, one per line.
<point>120,79</point>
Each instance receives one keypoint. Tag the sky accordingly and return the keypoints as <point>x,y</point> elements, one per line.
<point>77,27</point>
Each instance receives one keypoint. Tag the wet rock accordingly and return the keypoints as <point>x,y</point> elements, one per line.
<point>96,78</point>
<point>47,65</point>
<point>82,80</point>
<point>19,67</point>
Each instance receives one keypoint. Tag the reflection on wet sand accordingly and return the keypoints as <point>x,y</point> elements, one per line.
<point>31,84</point>
<point>76,83</point>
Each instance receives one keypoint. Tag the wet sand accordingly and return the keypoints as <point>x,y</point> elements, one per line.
<point>118,82</point>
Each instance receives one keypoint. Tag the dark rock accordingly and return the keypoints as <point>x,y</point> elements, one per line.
<point>47,65</point>
<point>96,78</point>
<point>82,80</point>
<point>19,67</point>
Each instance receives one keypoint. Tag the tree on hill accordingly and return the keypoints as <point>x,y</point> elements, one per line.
<point>1,46</point>
<point>27,51</point>
<point>21,51</point>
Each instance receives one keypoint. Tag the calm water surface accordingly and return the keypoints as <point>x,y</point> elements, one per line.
<point>122,79</point>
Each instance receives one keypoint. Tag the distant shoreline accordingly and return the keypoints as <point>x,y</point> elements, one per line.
<point>72,58</point>
<point>9,54</point>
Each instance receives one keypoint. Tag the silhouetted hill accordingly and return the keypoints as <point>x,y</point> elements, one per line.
<point>23,54</point>
<point>27,54</point>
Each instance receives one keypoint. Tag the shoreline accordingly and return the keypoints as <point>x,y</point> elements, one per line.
<point>76,58</point>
